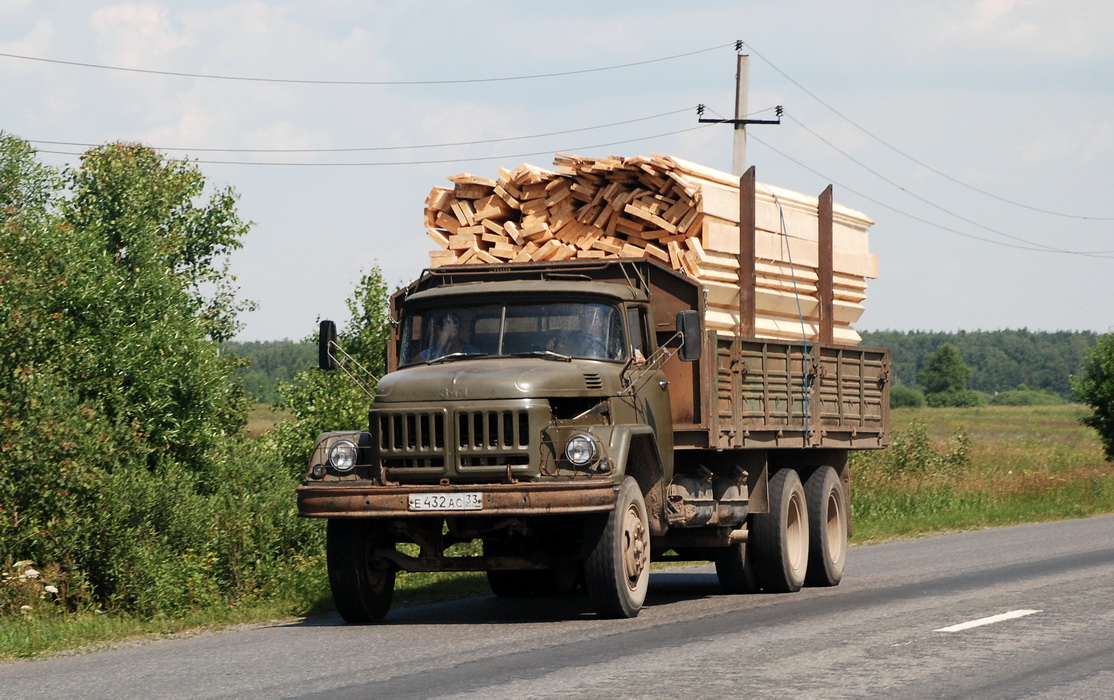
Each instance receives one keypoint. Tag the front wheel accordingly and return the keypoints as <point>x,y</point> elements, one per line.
<point>780,537</point>
<point>617,560</point>
<point>362,583</point>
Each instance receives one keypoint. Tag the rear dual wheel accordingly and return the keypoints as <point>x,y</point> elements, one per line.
<point>779,539</point>
<point>827,517</point>
<point>803,538</point>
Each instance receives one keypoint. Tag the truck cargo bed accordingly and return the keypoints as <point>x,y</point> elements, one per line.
<point>790,395</point>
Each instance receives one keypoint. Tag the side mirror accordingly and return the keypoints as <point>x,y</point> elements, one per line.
<point>688,323</point>
<point>326,346</point>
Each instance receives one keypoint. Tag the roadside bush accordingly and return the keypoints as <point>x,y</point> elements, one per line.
<point>912,451</point>
<point>1024,396</point>
<point>902,396</point>
<point>1094,386</point>
<point>957,398</point>
<point>338,400</point>
<point>123,476</point>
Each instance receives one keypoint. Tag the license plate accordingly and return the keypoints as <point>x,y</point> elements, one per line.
<point>466,500</point>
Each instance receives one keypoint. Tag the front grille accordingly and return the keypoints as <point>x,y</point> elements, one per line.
<point>435,443</point>
<point>412,431</point>
<point>486,429</point>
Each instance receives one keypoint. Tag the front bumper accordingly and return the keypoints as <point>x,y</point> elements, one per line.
<point>335,500</point>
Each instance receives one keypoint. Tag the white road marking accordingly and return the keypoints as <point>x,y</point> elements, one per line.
<point>988,620</point>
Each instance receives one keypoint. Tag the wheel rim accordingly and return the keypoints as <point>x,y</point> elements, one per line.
<point>636,545</point>
<point>796,534</point>
<point>834,526</point>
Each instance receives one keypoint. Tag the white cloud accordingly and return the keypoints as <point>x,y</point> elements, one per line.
<point>13,5</point>
<point>34,43</point>
<point>136,35</point>
<point>1040,28</point>
<point>1099,143</point>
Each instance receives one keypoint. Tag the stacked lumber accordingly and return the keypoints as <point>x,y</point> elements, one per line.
<point>680,213</point>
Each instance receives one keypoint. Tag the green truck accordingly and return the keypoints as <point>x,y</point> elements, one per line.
<point>577,419</point>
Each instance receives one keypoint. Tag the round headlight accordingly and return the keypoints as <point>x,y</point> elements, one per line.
<point>342,456</point>
<point>581,450</point>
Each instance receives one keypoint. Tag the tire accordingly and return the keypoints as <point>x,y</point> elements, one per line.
<point>529,583</point>
<point>780,538</point>
<point>827,517</point>
<point>541,583</point>
<point>362,584</point>
<point>734,571</point>
<point>617,560</point>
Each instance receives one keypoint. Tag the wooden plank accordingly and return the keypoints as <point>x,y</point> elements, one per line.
<point>438,237</point>
<point>646,215</point>
<point>439,258</point>
<point>446,222</point>
<point>657,252</point>
<point>439,198</point>
<point>472,191</point>
<point>464,212</point>
<point>512,230</point>
<point>509,194</point>
<point>461,241</point>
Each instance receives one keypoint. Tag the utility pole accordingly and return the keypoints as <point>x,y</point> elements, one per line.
<point>742,87</point>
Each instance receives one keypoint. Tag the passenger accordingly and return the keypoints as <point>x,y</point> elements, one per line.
<point>589,339</point>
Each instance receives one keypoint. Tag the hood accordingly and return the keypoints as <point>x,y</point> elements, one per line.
<point>494,378</point>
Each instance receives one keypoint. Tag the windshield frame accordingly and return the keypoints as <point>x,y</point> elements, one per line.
<point>562,328</point>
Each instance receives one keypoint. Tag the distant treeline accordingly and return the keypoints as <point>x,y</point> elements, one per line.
<point>1001,360</point>
<point>269,363</point>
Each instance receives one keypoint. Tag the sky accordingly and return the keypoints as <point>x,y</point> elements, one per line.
<point>979,136</point>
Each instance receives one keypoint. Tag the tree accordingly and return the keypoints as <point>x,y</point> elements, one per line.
<point>945,379</point>
<point>945,371</point>
<point>117,412</point>
<point>323,401</point>
<point>1095,387</point>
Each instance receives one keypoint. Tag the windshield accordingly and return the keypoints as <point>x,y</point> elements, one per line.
<point>581,329</point>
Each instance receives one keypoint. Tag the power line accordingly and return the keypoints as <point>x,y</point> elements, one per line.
<point>903,154</point>
<point>379,148</point>
<point>930,203</point>
<point>535,76</point>
<point>1031,247</point>
<point>422,162</point>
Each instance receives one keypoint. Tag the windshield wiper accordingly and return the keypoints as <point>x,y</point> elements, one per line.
<point>548,354</point>
<point>455,356</point>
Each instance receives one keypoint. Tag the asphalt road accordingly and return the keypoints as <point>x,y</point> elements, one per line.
<point>894,628</point>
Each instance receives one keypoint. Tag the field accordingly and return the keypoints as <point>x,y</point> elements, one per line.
<point>955,469</point>
<point>947,469</point>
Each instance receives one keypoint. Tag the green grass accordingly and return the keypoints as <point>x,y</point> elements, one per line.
<point>1009,465</point>
<point>959,469</point>
<point>263,417</point>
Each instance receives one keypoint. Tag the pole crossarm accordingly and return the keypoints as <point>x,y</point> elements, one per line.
<point>738,122</point>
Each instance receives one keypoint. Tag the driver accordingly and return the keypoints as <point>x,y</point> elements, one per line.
<point>446,338</point>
